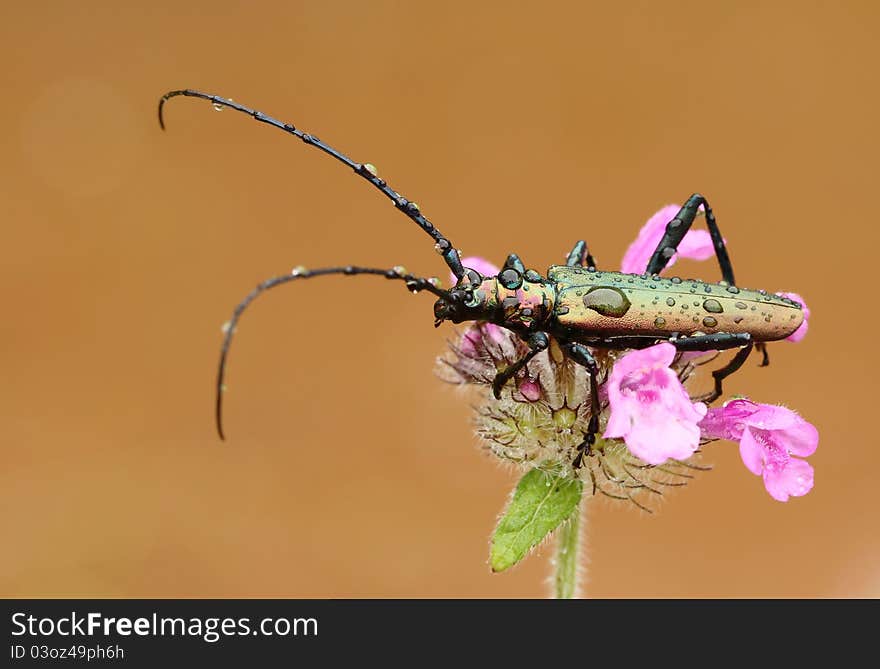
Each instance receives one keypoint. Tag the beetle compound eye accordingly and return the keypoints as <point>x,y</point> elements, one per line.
<point>475,299</point>
<point>532,276</point>
<point>441,310</point>
<point>510,279</point>
<point>607,301</point>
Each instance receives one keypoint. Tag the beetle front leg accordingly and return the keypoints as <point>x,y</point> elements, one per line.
<point>718,342</point>
<point>580,256</point>
<point>537,342</point>
<point>582,356</point>
<point>676,230</point>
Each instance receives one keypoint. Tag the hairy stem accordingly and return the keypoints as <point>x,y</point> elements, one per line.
<point>567,569</point>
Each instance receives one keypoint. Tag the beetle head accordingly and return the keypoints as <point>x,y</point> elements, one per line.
<point>467,301</point>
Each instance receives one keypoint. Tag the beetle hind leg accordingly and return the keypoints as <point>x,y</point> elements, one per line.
<point>761,347</point>
<point>676,230</point>
<point>720,341</point>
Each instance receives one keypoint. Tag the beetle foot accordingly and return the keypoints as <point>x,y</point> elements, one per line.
<point>586,446</point>
<point>497,384</point>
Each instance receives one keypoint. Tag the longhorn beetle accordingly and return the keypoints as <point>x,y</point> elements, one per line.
<point>577,304</point>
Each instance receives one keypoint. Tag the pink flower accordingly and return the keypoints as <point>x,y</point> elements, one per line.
<point>472,336</point>
<point>801,332</point>
<point>768,437</point>
<point>650,409</point>
<point>696,244</point>
<point>530,389</point>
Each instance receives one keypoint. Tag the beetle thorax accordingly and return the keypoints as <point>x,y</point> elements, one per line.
<point>526,307</point>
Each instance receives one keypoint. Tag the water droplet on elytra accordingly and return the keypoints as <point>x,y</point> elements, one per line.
<point>713,306</point>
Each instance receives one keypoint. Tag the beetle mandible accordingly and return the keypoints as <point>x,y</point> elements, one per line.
<point>579,305</point>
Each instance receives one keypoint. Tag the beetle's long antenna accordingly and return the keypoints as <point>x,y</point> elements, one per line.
<point>367,171</point>
<point>414,283</point>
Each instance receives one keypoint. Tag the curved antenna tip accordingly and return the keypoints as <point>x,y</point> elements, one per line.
<point>162,101</point>
<point>161,120</point>
<point>218,413</point>
<point>220,429</point>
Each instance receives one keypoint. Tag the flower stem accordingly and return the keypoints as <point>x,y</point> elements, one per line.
<point>567,572</point>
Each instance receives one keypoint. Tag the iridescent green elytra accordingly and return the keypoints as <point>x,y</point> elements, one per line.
<point>661,307</point>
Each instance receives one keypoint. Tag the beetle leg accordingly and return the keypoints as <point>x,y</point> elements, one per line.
<point>720,341</point>
<point>675,231</point>
<point>537,342</point>
<point>762,348</point>
<point>582,356</point>
<point>580,255</point>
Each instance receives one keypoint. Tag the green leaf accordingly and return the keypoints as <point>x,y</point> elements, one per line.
<point>540,503</point>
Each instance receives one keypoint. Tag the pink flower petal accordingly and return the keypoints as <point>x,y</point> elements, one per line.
<point>530,389</point>
<point>473,335</point>
<point>696,244</point>
<point>619,424</point>
<point>655,439</point>
<point>791,431</point>
<point>801,332</point>
<point>763,416</point>
<point>658,356</point>
<point>639,252</point>
<point>650,409</point>
<point>800,439</point>
<point>752,453</point>
<point>728,421</point>
<point>796,479</point>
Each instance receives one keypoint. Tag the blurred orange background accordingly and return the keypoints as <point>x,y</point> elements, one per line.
<point>349,469</point>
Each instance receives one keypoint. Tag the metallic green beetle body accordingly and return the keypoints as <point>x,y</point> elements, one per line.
<point>598,307</point>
